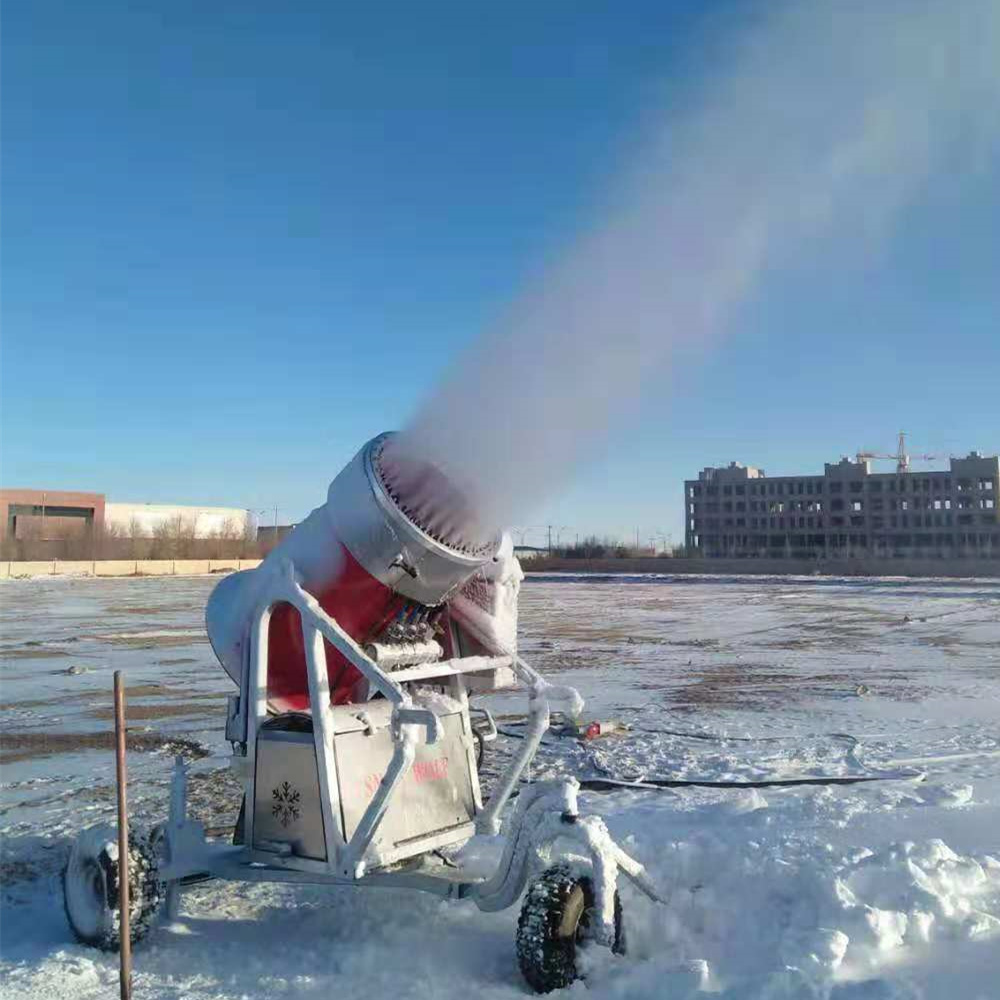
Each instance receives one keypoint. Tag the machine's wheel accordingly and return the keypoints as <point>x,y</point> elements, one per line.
<point>555,920</point>
<point>90,887</point>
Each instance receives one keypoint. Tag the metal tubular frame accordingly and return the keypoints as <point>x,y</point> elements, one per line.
<point>347,858</point>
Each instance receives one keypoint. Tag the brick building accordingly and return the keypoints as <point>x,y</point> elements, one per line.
<point>848,511</point>
<point>59,524</point>
<point>49,515</point>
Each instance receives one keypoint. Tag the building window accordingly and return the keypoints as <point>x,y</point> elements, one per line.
<point>856,505</point>
<point>836,487</point>
<point>727,491</point>
<point>857,486</point>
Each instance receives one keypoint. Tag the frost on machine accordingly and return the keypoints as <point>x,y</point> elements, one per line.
<point>355,645</point>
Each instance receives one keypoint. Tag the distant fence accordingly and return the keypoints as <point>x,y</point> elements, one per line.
<point>754,567</point>
<point>775,567</point>
<point>123,567</point>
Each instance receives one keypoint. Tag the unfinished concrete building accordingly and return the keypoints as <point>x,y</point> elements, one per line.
<point>849,511</point>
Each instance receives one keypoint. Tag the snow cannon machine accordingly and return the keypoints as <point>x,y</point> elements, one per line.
<point>356,645</point>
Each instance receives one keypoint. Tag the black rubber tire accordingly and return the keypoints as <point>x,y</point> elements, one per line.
<point>90,887</point>
<point>555,920</point>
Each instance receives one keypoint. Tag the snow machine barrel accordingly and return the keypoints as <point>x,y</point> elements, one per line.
<point>396,557</point>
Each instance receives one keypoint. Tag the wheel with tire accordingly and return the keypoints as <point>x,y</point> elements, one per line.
<point>90,887</point>
<point>556,920</point>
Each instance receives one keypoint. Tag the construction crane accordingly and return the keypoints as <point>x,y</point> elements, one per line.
<point>901,458</point>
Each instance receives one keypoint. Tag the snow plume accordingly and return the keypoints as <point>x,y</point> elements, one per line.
<point>821,119</point>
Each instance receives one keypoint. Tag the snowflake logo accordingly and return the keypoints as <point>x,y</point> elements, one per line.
<point>285,807</point>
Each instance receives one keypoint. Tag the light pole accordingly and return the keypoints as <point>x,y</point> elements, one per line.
<point>261,513</point>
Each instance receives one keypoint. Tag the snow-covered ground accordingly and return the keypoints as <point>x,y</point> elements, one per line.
<point>849,892</point>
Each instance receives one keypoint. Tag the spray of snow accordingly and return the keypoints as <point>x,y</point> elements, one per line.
<point>821,120</point>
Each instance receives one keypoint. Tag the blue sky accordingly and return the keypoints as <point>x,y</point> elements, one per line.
<point>239,239</point>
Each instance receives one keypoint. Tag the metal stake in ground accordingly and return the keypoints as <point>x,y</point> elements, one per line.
<point>125,955</point>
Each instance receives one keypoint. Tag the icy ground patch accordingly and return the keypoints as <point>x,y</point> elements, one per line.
<point>884,891</point>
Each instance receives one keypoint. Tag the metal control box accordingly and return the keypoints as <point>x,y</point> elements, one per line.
<point>437,800</point>
<point>436,795</point>
<point>288,809</point>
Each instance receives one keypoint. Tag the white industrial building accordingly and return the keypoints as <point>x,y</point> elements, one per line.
<point>144,520</point>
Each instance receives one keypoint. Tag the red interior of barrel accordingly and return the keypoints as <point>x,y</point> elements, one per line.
<point>361,605</point>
